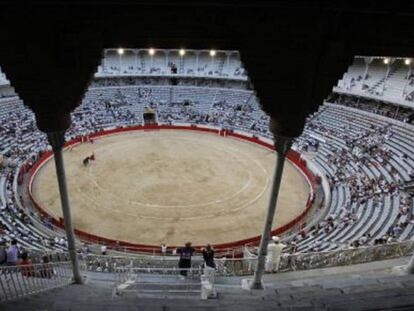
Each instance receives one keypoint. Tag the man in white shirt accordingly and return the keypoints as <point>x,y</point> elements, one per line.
<point>274,251</point>
<point>103,249</point>
<point>163,249</point>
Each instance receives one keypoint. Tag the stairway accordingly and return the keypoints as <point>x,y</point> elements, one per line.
<point>370,286</point>
<point>221,65</point>
<point>142,65</point>
<point>160,286</point>
<point>181,66</point>
<point>378,86</point>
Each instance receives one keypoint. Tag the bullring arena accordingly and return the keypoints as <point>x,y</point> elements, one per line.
<point>170,186</point>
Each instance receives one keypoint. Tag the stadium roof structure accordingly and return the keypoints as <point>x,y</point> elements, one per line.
<point>294,51</point>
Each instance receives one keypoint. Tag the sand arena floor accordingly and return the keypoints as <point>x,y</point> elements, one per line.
<point>171,186</point>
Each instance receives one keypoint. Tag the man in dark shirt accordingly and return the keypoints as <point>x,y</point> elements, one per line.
<point>185,257</point>
<point>208,255</point>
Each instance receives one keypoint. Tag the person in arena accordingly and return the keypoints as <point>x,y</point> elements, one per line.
<point>185,258</point>
<point>88,159</point>
<point>85,161</point>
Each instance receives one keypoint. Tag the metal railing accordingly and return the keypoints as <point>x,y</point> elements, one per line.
<point>20,281</point>
<point>113,264</point>
<point>245,266</point>
<point>345,257</point>
<point>158,280</point>
<point>124,274</point>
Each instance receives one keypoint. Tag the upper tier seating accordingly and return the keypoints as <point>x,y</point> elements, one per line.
<point>393,82</point>
<point>3,79</point>
<point>196,63</point>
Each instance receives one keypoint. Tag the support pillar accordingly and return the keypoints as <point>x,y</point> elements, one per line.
<point>197,54</point>
<point>410,266</point>
<point>136,60</point>
<point>56,139</point>
<point>368,61</point>
<point>282,146</point>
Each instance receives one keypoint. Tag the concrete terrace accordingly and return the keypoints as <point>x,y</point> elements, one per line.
<point>371,286</point>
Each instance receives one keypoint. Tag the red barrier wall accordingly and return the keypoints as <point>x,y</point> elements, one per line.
<point>292,155</point>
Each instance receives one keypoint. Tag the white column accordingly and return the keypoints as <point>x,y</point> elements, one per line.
<point>407,80</point>
<point>368,61</point>
<point>104,61</point>
<point>136,60</point>
<point>197,53</point>
<point>410,266</point>
<point>386,76</point>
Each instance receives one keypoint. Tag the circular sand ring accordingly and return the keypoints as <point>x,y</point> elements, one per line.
<point>207,212</point>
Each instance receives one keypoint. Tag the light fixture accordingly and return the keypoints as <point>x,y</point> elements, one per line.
<point>151,51</point>
<point>212,53</point>
<point>121,51</point>
<point>182,52</point>
<point>407,61</point>
<point>386,61</point>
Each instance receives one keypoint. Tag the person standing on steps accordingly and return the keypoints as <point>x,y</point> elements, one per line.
<point>274,251</point>
<point>185,258</point>
<point>208,255</point>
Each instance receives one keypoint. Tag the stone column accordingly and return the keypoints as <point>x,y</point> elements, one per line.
<point>282,146</point>
<point>410,266</point>
<point>56,139</point>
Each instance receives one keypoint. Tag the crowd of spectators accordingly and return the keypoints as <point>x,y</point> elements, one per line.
<point>112,107</point>
<point>385,109</point>
<point>167,81</point>
<point>349,161</point>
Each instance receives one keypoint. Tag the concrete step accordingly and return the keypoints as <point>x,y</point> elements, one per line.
<point>365,287</point>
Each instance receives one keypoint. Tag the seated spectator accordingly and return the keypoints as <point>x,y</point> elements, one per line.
<point>46,270</point>
<point>25,264</point>
<point>12,253</point>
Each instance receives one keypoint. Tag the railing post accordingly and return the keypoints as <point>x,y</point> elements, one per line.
<point>282,146</point>
<point>56,140</point>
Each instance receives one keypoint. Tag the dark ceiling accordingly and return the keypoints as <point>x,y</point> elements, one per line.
<point>294,51</point>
